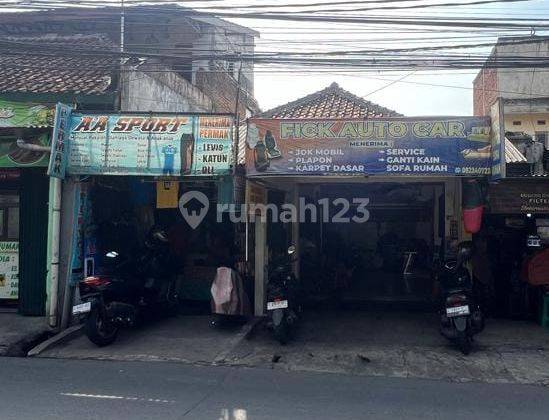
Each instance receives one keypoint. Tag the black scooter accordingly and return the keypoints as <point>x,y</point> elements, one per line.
<point>282,304</point>
<point>132,287</point>
<point>461,317</point>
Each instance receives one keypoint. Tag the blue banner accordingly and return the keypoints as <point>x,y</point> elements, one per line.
<point>59,145</point>
<point>405,146</point>
<point>159,145</point>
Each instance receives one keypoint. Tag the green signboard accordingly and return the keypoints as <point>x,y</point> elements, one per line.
<point>25,115</point>
<point>12,156</point>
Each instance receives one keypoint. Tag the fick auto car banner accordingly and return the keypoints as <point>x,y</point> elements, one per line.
<point>404,146</point>
<point>139,144</point>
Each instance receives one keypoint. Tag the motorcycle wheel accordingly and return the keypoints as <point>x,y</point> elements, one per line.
<point>281,332</point>
<point>464,343</point>
<point>98,330</point>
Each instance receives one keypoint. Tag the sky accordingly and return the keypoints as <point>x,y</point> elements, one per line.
<point>413,94</point>
<point>429,92</point>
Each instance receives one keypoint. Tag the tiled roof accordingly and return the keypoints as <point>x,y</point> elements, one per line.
<point>39,64</point>
<point>332,102</point>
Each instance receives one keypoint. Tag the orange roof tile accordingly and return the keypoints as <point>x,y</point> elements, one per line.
<point>332,102</point>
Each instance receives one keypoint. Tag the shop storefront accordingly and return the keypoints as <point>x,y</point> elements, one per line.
<point>515,229</point>
<point>24,189</point>
<point>386,194</point>
<point>125,174</point>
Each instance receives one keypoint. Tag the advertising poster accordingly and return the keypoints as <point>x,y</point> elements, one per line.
<point>167,195</point>
<point>213,152</point>
<point>160,145</point>
<point>77,255</point>
<point>25,115</point>
<point>12,156</point>
<point>404,146</point>
<point>9,270</point>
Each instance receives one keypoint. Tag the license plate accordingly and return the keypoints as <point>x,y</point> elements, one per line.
<point>458,310</point>
<point>82,308</point>
<point>279,304</point>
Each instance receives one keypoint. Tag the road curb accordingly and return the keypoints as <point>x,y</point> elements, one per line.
<point>245,332</point>
<point>19,348</point>
<point>62,337</point>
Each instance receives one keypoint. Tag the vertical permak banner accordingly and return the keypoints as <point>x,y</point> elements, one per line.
<point>498,139</point>
<point>160,145</point>
<point>59,141</point>
<point>213,150</point>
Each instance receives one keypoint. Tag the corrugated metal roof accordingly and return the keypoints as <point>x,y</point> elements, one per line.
<point>512,154</point>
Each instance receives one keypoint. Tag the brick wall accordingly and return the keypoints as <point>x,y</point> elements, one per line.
<point>485,91</point>
<point>221,88</point>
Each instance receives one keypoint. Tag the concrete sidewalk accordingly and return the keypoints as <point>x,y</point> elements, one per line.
<point>18,333</point>
<point>350,342</point>
<point>402,345</point>
<point>185,338</point>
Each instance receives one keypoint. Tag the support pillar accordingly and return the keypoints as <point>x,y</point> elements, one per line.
<point>260,265</point>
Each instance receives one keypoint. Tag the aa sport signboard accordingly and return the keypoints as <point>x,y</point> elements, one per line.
<point>399,146</point>
<point>129,144</point>
<point>150,144</point>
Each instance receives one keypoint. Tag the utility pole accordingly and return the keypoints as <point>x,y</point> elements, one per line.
<point>122,24</point>
<point>237,117</point>
<point>122,32</point>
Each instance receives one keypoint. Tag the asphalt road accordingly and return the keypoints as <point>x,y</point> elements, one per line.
<point>81,389</point>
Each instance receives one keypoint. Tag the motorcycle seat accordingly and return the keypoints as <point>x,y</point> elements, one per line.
<point>456,291</point>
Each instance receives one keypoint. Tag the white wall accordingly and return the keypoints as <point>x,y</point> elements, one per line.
<point>529,123</point>
<point>523,83</point>
<point>161,91</point>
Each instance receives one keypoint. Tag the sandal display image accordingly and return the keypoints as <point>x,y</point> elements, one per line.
<point>261,157</point>
<point>270,143</point>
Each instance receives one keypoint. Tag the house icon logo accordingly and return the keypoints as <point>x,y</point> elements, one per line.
<point>194,206</point>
